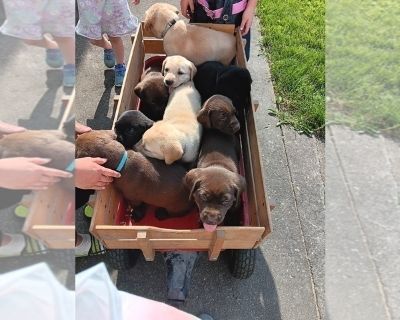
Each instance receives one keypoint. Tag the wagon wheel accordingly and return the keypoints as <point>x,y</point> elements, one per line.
<point>242,262</point>
<point>122,259</point>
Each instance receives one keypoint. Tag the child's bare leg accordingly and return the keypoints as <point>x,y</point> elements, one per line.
<point>118,47</point>
<point>67,47</point>
<point>46,42</point>
<point>103,43</point>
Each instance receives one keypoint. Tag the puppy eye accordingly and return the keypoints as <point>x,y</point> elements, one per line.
<point>166,69</point>
<point>225,200</point>
<point>203,196</point>
<point>180,73</point>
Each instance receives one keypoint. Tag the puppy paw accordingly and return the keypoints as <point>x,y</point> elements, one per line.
<point>162,214</point>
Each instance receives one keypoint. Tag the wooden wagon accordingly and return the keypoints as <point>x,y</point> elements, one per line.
<point>51,213</point>
<point>150,239</point>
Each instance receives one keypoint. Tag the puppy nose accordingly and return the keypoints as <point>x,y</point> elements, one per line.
<point>235,126</point>
<point>214,217</point>
<point>168,82</point>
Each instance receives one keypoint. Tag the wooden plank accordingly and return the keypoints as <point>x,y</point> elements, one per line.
<point>145,245</point>
<point>68,108</point>
<point>216,245</point>
<point>228,28</point>
<point>153,46</point>
<point>249,175</point>
<point>263,207</point>
<point>178,245</point>
<point>240,54</point>
<point>261,197</point>
<point>130,232</point>
<point>253,210</point>
<point>100,216</point>
<point>128,100</point>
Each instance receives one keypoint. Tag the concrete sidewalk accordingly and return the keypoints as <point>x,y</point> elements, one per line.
<point>288,282</point>
<point>362,229</point>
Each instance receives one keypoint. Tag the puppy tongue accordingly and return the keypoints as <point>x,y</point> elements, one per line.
<point>209,227</point>
<point>170,89</point>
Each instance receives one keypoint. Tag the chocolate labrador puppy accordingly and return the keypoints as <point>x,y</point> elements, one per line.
<point>219,113</point>
<point>143,180</point>
<point>130,127</point>
<point>51,144</point>
<point>153,94</point>
<point>215,184</point>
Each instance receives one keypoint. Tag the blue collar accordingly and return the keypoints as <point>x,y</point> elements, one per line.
<point>122,162</point>
<point>71,166</point>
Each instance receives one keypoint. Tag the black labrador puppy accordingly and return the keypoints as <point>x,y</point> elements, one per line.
<point>131,126</point>
<point>231,81</point>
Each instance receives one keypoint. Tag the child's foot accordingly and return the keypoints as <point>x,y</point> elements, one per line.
<point>109,58</point>
<point>69,75</point>
<point>54,58</point>
<point>119,74</point>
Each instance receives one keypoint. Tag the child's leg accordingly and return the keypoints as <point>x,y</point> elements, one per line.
<point>54,57</point>
<point>46,42</point>
<point>247,46</point>
<point>109,57</point>
<point>118,47</point>
<point>103,43</point>
<point>67,47</point>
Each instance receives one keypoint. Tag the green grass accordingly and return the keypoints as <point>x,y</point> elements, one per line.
<point>363,56</point>
<point>293,36</point>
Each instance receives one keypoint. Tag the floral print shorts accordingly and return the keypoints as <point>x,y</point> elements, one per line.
<point>30,20</point>
<point>111,17</point>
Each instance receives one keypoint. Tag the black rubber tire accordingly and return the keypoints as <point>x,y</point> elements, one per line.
<point>121,259</point>
<point>242,262</point>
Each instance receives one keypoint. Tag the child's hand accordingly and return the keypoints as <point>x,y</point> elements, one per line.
<point>6,128</point>
<point>90,174</point>
<point>29,174</point>
<point>247,20</point>
<point>187,7</point>
<point>135,2</point>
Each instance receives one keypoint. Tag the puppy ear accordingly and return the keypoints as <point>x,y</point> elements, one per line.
<point>193,70</point>
<point>192,181</point>
<point>163,66</point>
<point>204,117</point>
<point>138,90</point>
<point>240,186</point>
<point>172,152</point>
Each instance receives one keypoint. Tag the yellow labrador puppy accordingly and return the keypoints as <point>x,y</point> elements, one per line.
<point>177,136</point>
<point>198,44</point>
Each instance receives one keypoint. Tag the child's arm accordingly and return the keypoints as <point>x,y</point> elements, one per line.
<point>248,15</point>
<point>187,7</point>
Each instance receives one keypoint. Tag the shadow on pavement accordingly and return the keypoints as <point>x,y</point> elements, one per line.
<point>41,115</point>
<point>213,290</point>
<point>100,120</point>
